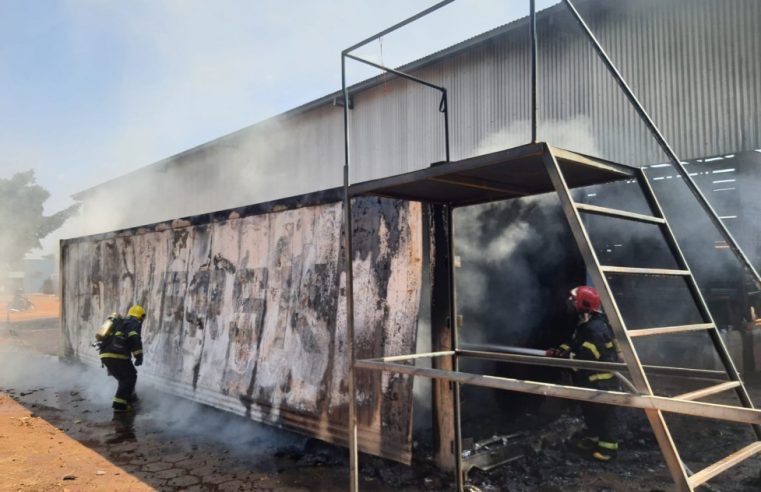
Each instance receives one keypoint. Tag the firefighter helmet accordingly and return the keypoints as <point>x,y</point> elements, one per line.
<point>585,299</point>
<point>136,311</point>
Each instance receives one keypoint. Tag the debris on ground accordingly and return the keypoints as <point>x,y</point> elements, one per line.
<point>184,451</point>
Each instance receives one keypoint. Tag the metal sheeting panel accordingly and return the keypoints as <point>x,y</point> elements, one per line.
<point>247,313</point>
<point>695,64</point>
<point>254,165</point>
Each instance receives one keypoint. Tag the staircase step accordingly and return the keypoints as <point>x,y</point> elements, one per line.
<point>664,330</point>
<point>711,390</point>
<point>622,214</point>
<point>733,459</point>
<point>644,271</point>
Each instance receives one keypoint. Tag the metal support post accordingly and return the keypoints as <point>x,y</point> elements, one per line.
<point>532,30</point>
<point>442,338</point>
<point>444,108</point>
<point>459,477</point>
<point>352,427</point>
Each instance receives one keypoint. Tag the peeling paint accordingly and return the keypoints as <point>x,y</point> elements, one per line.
<point>246,312</point>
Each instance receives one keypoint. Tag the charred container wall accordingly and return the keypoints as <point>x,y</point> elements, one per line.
<point>246,310</point>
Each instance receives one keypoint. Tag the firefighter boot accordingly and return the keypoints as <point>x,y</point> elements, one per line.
<point>584,442</point>
<point>605,451</point>
<point>121,405</point>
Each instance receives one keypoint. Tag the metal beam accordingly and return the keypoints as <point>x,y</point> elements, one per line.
<point>723,465</point>
<point>620,214</point>
<point>711,390</point>
<point>623,170</point>
<point>644,271</point>
<point>666,330</point>
<point>585,364</point>
<point>396,26</point>
<point>519,355</point>
<point>617,398</point>
<point>397,73</point>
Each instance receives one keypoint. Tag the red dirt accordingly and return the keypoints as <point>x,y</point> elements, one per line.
<point>36,456</point>
<point>45,306</point>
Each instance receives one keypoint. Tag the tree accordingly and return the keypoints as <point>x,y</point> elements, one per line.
<point>22,221</point>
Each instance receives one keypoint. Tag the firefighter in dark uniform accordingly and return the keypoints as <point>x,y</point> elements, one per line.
<point>116,354</point>
<point>593,340</point>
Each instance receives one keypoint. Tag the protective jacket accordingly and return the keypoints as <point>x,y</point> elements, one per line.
<point>126,342</point>
<point>592,340</point>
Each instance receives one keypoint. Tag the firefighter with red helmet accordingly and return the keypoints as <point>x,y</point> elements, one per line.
<point>593,340</point>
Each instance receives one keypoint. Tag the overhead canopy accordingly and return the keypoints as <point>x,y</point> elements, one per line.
<point>502,175</point>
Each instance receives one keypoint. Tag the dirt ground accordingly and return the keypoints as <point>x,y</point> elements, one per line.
<point>36,456</point>
<point>56,421</point>
<point>44,306</point>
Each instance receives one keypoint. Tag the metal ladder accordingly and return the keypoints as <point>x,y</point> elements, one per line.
<point>683,478</point>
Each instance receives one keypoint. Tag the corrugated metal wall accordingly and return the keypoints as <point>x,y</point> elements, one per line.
<point>696,65</point>
<point>247,312</point>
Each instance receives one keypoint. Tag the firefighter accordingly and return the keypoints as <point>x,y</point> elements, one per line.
<point>116,354</point>
<point>592,340</point>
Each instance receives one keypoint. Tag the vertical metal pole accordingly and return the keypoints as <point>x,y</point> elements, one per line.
<point>532,29</point>
<point>459,478</point>
<point>442,338</point>
<point>353,453</point>
<point>445,101</point>
<point>64,345</point>
<point>675,161</point>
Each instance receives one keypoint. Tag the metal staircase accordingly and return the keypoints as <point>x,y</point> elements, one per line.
<point>520,171</point>
<point>600,275</point>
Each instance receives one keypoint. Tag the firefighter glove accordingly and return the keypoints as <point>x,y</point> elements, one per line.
<point>139,360</point>
<point>554,352</point>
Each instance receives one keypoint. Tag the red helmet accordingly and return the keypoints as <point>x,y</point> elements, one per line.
<point>585,299</point>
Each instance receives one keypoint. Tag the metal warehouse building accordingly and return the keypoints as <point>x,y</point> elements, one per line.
<point>695,64</point>
<point>234,245</point>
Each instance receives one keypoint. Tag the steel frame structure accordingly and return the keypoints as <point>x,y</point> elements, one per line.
<point>641,395</point>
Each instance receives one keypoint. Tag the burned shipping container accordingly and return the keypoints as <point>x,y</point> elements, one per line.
<point>246,310</point>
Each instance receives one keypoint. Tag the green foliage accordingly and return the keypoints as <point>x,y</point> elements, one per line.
<point>22,221</point>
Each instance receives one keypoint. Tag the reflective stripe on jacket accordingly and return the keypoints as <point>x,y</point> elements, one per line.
<point>125,342</point>
<point>593,340</point>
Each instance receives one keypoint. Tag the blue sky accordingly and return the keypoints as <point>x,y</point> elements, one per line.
<point>92,89</point>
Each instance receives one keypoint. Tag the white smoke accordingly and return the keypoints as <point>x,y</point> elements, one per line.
<point>24,370</point>
<point>574,134</point>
